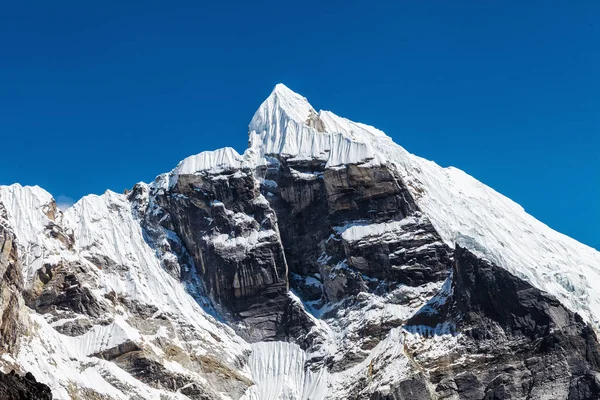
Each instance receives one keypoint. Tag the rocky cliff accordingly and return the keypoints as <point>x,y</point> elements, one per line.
<point>325,262</point>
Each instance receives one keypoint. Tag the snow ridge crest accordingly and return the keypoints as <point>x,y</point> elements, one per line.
<point>287,125</point>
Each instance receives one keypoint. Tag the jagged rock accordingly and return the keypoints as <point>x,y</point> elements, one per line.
<point>149,369</point>
<point>230,233</point>
<point>117,351</point>
<point>16,387</point>
<point>520,342</point>
<point>60,288</point>
<point>12,323</point>
<point>209,214</point>
<point>415,387</point>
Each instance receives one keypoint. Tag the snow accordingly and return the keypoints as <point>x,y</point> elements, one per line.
<point>211,162</point>
<point>106,231</point>
<point>237,247</point>
<point>101,338</point>
<point>105,227</point>
<point>282,105</point>
<point>355,130</point>
<point>468,213</point>
<point>279,127</point>
<point>278,371</point>
<point>354,232</point>
<point>28,211</point>
<point>61,362</point>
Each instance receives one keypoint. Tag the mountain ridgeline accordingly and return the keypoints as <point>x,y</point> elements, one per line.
<point>325,262</point>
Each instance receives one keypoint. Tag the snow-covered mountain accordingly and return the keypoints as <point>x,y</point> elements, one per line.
<point>326,262</point>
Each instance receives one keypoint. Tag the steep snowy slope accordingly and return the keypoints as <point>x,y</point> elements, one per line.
<point>104,296</point>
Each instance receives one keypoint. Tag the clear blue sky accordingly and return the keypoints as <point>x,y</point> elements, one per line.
<point>98,95</point>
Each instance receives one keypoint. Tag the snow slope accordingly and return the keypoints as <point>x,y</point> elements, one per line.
<point>105,231</point>
<point>278,370</point>
<point>29,212</point>
<point>213,162</point>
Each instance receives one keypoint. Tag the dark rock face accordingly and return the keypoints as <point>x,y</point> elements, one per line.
<point>229,233</point>
<point>11,326</point>
<point>60,288</point>
<point>150,370</point>
<point>234,272</point>
<point>312,204</point>
<point>346,234</point>
<point>519,342</point>
<point>16,387</point>
<point>311,201</point>
<point>415,387</point>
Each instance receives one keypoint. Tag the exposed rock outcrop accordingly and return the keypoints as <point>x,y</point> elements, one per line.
<point>16,387</point>
<point>514,341</point>
<point>230,243</point>
<point>349,230</point>
<point>12,321</point>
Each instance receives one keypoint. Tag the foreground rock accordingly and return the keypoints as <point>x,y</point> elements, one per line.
<point>16,387</point>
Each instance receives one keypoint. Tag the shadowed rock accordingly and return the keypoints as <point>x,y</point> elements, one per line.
<point>17,387</point>
<point>519,342</point>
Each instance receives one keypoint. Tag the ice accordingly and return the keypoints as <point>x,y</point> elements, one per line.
<point>279,372</point>
<point>287,125</point>
<point>211,162</point>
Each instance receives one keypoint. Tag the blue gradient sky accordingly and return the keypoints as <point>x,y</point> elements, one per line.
<point>98,95</point>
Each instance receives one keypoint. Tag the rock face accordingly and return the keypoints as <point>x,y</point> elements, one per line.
<point>15,387</point>
<point>229,232</point>
<point>11,302</point>
<point>13,321</point>
<point>326,262</point>
<point>313,203</point>
<point>515,341</point>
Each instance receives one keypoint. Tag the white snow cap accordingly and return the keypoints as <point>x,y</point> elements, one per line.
<point>281,101</point>
<point>28,214</point>
<point>213,162</point>
<point>287,125</point>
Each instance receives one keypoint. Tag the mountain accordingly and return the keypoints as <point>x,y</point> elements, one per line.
<point>326,262</point>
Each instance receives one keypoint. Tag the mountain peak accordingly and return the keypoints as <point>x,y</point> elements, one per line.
<point>282,104</point>
<point>283,90</point>
<point>287,125</point>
